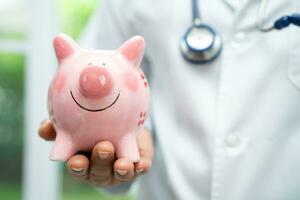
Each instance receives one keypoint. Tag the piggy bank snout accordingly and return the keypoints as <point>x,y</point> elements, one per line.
<point>95,82</point>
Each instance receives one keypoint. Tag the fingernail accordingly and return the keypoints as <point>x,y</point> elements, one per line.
<point>77,170</point>
<point>102,155</point>
<point>138,171</point>
<point>122,172</point>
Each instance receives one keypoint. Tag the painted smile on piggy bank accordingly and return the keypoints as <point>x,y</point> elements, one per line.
<point>96,82</point>
<point>94,110</point>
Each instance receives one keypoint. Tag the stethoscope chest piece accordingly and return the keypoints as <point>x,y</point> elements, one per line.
<point>200,44</point>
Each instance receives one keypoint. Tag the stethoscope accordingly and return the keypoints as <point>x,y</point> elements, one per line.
<point>202,44</point>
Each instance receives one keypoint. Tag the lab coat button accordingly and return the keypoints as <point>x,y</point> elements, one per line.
<point>232,140</point>
<point>240,36</point>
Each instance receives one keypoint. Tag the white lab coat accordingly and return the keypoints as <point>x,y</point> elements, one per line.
<point>227,130</point>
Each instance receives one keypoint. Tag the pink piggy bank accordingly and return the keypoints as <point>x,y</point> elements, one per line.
<point>98,95</point>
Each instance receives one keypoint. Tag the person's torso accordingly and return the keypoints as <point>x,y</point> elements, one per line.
<point>229,129</point>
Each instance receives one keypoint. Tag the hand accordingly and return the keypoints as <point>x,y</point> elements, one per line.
<point>102,168</point>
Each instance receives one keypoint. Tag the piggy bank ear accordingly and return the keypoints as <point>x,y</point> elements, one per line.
<point>64,46</point>
<point>133,50</point>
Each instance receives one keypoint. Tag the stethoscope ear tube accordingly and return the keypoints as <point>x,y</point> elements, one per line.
<point>285,21</point>
<point>281,23</point>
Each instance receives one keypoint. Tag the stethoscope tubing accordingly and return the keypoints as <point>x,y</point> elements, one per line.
<point>200,54</point>
<point>212,51</point>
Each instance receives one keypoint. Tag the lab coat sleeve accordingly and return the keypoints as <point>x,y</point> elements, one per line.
<point>107,29</point>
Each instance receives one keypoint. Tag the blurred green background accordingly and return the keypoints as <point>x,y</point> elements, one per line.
<point>73,15</point>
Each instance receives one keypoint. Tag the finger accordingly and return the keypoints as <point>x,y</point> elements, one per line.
<point>123,170</point>
<point>47,131</point>
<point>143,166</point>
<point>78,166</point>
<point>102,163</point>
<point>145,144</point>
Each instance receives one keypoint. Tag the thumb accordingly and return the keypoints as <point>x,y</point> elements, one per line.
<point>47,131</point>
